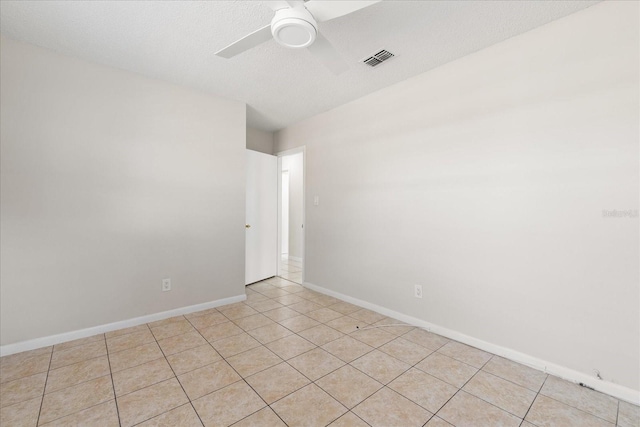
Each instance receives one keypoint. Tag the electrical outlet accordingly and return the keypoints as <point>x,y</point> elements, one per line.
<point>417,291</point>
<point>166,285</point>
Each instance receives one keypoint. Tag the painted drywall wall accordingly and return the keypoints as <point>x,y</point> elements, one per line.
<point>294,163</point>
<point>110,183</point>
<point>485,181</point>
<point>260,140</point>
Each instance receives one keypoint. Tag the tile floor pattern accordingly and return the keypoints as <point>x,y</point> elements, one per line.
<point>287,356</point>
<point>290,269</point>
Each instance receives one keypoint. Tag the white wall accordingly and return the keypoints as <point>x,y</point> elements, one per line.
<point>259,140</point>
<point>111,182</point>
<point>484,180</point>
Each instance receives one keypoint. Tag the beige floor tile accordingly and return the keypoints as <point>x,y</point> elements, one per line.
<point>225,407</point>
<point>548,412</point>
<point>266,334</point>
<point>254,298</point>
<point>77,373</point>
<point>76,398</point>
<point>125,331</point>
<point>299,323</point>
<point>374,337</point>
<point>346,324</point>
<point>206,312</point>
<point>77,354</point>
<point>182,416</point>
<point>344,307</point>
<point>239,311</point>
<point>348,385</point>
<point>253,361</point>
<point>367,315</point>
<point>208,320</point>
<point>165,321</point>
<point>387,408</point>
<point>263,418</point>
<point>466,354</point>
<point>439,422</point>
<point>406,351</point>
<point>293,288</point>
<point>380,366</point>
<point>324,315</point>
<point>228,347</point>
<point>22,389</point>
<point>207,379</point>
<point>423,389</point>
<point>124,342</point>
<point>172,329</point>
<point>516,373</point>
<point>141,376</point>
<point>349,420</point>
<point>321,334</point>
<point>308,294</point>
<point>447,369</point>
<point>194,358</point>
<point>309,406</point>
<point>465,410</point>
<point>179,343</point>
<point>501,393</point>
<point>426,339</point>
<point>324,300</point>
<point>288,299</point>
<point>148,402</point>
<point>266,305</point>
<point>305,307</point>
<point>81,341</point>
<point>394,326</point>
<point>276,382</point>
<point>261,286</point>
<point>274,293</point>
<point>315,363</point>
<point>290,346</point>
<point>280,314</point>
<point>628,415</point>
<point>221,331</point>
<point>135,356</point>
<point>16,358</point>
<point>103,415</point>
<point>23,414</point>
<point>253,322</point>
<point>347,348</point>
<point>20,367</point>
<point>593,402</point>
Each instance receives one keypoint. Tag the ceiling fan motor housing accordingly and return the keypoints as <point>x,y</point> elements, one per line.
<point>294,27</point>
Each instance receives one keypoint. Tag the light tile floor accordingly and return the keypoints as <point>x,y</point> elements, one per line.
<point>287,356</point>
<point>290,269</point>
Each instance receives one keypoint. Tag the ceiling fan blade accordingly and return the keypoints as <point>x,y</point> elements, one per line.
<point>247,42</point>
<point>276,5</point>
<point>324,10</point>
<point>328,55</point>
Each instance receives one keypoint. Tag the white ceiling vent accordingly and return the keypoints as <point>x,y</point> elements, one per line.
<point>378,58</point>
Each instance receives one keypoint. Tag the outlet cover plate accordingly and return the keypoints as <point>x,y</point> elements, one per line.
<point>166,285</point>
<point>417,291</point>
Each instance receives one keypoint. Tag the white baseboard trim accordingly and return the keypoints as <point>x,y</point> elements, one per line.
<point>616,390</point>
<point>33,344</point>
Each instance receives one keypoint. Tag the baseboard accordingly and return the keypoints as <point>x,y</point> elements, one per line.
<point>616,390</point>
<point>83,333</point>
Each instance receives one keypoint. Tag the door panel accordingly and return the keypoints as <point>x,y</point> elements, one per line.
<point>261,235</point>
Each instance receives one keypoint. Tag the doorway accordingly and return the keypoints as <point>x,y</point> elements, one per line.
<point>291,215</point>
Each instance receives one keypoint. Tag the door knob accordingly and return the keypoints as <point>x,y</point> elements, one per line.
<point>247,226</point>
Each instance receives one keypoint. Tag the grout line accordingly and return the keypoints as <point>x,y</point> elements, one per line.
<point>45,387</point>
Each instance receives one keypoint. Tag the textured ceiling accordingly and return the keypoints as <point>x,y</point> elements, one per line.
<point>176,40</point>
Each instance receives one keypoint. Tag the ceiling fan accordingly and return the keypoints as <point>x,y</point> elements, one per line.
<point>295,25</point>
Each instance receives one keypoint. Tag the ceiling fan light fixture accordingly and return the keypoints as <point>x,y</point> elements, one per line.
<point>294,28</point>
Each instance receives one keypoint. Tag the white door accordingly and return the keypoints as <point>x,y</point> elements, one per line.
<point>261,241</point>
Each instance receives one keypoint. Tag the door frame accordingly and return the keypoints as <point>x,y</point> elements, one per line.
<point>280,155</point>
